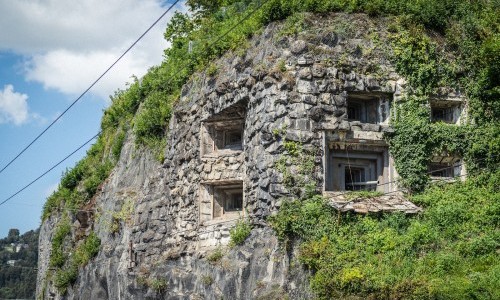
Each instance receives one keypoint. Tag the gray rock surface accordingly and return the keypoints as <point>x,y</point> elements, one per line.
<point>165,238</point>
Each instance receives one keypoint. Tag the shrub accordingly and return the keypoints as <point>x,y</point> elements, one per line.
<point>207,280</point>
<point>65,277</point>
<point>239,233</point>
<point>87,250</point>
<point>446,252</point>
<point>57,256</point>
<point>157,284</point>
<point>118,144</point>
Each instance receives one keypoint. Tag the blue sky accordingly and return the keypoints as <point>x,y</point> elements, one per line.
<point>50,52</point>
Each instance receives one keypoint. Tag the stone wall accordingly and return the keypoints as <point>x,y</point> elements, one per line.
<point>295,85</point>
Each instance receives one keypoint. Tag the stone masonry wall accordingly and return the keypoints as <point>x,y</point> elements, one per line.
<point>299,84</point>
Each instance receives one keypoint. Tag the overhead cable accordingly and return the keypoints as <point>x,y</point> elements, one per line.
<point>85,92</point>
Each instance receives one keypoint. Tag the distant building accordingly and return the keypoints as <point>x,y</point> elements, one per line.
<point>11,262</point>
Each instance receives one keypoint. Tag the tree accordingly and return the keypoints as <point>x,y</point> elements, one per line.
<point>13,235</point>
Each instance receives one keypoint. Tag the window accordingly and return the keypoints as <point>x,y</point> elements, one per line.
<point>448,111</point>
<point>363,111</point>
<point>445,166</point>
<point>222,137</point>
<point>355,171</point>
<point>232,139</point>
<point>233,201</point>
<point>222,132</point>
<point>441,114</point>
<point>227,199</point>
<point>368,108</point>
<point>221,200</point>
<point>359,178</point>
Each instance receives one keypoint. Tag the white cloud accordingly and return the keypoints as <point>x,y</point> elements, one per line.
<point>68,44</point>
<point>13,106</point>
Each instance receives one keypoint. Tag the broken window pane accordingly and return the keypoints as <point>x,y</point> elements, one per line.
<point>367,108</point>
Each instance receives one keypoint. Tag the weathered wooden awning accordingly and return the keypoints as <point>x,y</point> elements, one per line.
<point>386,203</point>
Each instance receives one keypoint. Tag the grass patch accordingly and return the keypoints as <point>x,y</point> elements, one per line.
<point>215,256</point>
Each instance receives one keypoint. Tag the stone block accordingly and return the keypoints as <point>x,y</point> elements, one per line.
<point>332,72</point>
<point>304,61</point>
<point>370,127</point>
<point>318,70</point>
<point>326,98</point>
<point>309,99</point>
<point>298,47</point>
<point>305,73</point>
<point>277,190</point>
<point>344,125</point>
<point>372,83</point>
<point>306,87</point>
<point>340,100</point>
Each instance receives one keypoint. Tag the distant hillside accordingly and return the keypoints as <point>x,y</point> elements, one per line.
<point>18,260</point>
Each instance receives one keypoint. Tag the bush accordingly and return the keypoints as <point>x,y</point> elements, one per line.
<point>65,277</point>
<point>158,284</point>
<point>87,250</point>
<point>447,252</point>
<point>57,256</point>
<point>239,233</point>
<point>118,144</point>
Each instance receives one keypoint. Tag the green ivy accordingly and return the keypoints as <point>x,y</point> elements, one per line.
<point>447,252</point>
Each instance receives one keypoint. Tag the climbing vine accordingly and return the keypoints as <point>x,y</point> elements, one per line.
<point>416,139</point>
<point>296,165</point>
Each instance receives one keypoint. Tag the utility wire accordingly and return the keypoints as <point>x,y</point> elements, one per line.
<point>211,44</point>
<point>91,86</point>
<point>428,173</point>
<point>52,168</point>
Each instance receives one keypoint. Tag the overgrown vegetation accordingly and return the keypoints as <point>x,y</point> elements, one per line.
<point>61,234</point>
<point>215,256</point>
<point>157,284</point>
<point>383,257</point>
<point>239,233</point>
<point>447,252</point>
<point>67,273</point>
<point>122,216</point>
<point>471,32</point>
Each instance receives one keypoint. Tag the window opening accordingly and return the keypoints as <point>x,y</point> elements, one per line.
<point>447,111</point>
<point>355,171</point>
<point>368,108</point>
<point>221,199</point>
<point>232,139</point>
<point>441,170</point>
<point>227,199</point>
<point>441,114</point>
<point>222,137</point>
<point>234,201</point>
<point>354,111</point>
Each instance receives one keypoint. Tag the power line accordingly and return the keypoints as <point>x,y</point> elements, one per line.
<point>84,92</point>
<point>427,173</point>
<point>52,168</point>
<point>211,44</point>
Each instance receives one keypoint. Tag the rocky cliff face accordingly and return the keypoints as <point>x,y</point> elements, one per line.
<point>225,139</point>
